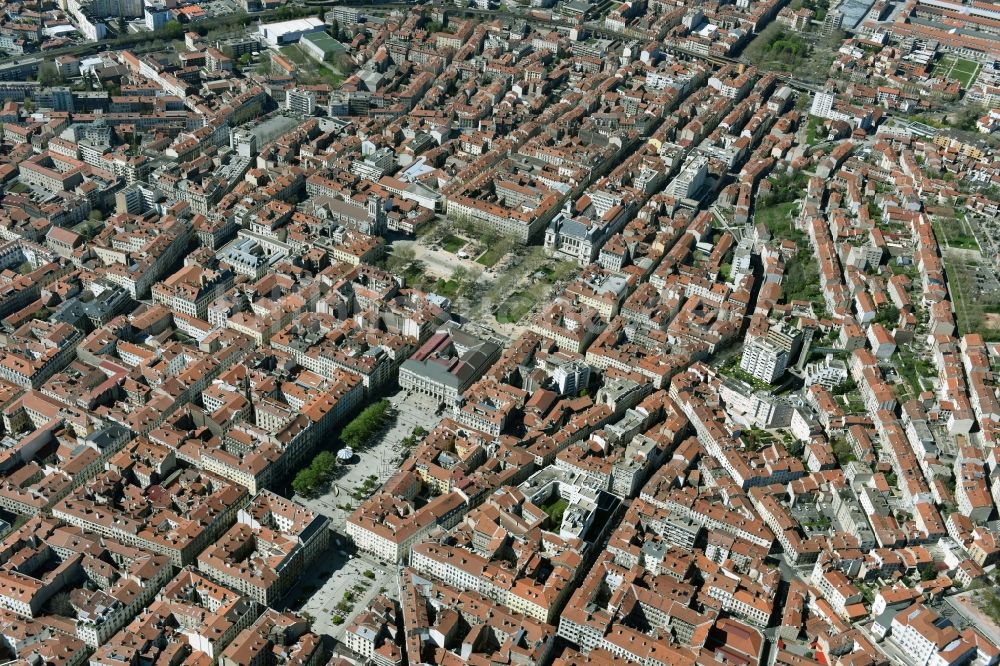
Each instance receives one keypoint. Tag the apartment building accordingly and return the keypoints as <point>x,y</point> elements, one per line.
<point>265,552</point>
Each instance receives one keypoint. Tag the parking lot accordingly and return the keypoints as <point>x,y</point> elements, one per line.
<point>216,8</point>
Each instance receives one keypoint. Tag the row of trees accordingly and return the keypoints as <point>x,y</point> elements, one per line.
<point>356,433</point>
<point>320,471</point>
<point>309,480</point>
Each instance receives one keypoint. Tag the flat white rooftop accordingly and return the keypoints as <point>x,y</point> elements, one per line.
<point>295,25</point>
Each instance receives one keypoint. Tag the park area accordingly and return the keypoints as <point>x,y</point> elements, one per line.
<point>972,282</point>
<point>525,284</point>
<point>778,213</point>
<point>778,48</point>
<point>452,243</point>
<point>962,70</point>
<point>492,255</point>
<point>311,70</point>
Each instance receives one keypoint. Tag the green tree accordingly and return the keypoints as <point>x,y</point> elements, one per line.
<point>403,261</point>
<point>966,119</point>
<point>60,604</point>
<point>845,387</point>
<point>172,30</point>
<point>365,424</point>
<point>555,512</point>
<point>48,74</point>
<point>887,315</point>
<point>842,451</point>
<point>324,464</point>
<point>306,482</point>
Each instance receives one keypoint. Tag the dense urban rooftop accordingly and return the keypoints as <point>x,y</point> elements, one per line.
<point>536,332</point>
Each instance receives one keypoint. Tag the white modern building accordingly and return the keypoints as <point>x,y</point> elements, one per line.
<point>300,101</point>
<point>929,639</point>
<point>690,179</point>
<point>289,32</point>
<point>763,360</point>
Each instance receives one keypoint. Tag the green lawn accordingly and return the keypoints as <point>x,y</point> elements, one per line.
<point>963,241</point>
<point>927,119</point>
<point>801,271</point>
<point>853,404</point>
<point>309,68</point>
<point>815,123</point>
<point>778,220</point>
<point>965,71</point>
<point>296,55</point>
<point>960,69</point>
<point>736,372</point>
<point>963,78</point>
<point>912,369</point>
<point>452,243</point>
<point>491,256</point>
<point>555,510</point>
<point>957,233</point>
<point>943,66</point>
<point>802,280</point>
<point>514,308</point>
<point>446,288</point>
